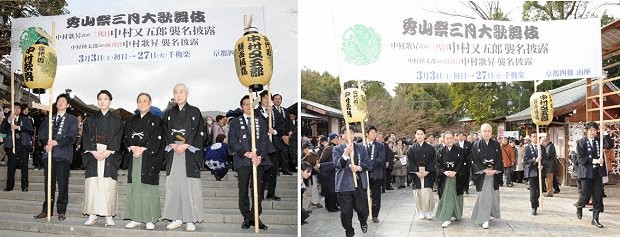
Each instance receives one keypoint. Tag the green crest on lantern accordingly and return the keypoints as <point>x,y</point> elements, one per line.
<point>29,37</point>
<point>361,45</point>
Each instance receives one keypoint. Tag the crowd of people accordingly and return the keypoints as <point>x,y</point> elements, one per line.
<point>348,166</point>
<point>178,143</point>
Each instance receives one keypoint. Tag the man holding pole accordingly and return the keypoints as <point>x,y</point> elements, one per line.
<point>64,135</point>
<point>351,161</point>
<point>376,154</point>
<point>533,163</point>
<point>20,128</point>
<point>240,143</point>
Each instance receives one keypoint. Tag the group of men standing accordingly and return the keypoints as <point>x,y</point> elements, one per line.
<point>362,165</point>
<point>182,136</point>
<point>359,166</point>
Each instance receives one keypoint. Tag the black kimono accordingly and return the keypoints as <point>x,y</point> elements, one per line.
<point>451,160</point>
<point>485,156</point>
<point>101,132</point>
<point>187,124</point>
<point>103,129</point>
<point>146,132</point>
<point>418,156</point>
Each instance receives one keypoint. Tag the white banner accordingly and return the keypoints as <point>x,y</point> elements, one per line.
<point>402,44</point>
<point>190,42</point>
<point>139,36</point>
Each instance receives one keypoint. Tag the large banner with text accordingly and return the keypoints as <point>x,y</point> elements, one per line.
<point>412,46</point>
<point>145,35</point>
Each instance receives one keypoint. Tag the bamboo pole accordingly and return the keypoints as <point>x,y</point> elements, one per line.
<point>369,198</point>
<point>49,158</point>
<point>270,114</point>
<point>49,138</point>
<point>12,107</point>
<point>540,174</point>
<point>601,152</point>
<point>350,143</point>
<point>50,135</point>
<point>349,139</point>
<point>254,167</point>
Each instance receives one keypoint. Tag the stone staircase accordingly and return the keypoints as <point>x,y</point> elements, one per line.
<point>220,199</point>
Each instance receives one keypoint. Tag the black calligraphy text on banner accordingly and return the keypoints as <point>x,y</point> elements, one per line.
<point>145,35</point>
<point>541,104</point>
<point>421,47</point>
<point>469,30</point>
<point>167,33</point>
<point>136,19</point>
<point>39,67</point>
<point>354,105</point>
<point>254,60</point>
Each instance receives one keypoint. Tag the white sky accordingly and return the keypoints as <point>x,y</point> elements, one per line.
<point>316,35</point>
<point>211,87</point>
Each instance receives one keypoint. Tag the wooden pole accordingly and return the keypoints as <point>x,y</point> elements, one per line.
<point>349,139</point>
<point>539,167</point>
<point>49,158</point>
<point>369,198</point>
<point>270,114</point>
<point>12,107</point>
<point>254,167</point>
<point>350,143</point>
<point>367,177</point>
<point>49,138</point>
<point>600,122</point>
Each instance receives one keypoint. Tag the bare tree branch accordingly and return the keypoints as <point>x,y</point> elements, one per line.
<point>571,10</point>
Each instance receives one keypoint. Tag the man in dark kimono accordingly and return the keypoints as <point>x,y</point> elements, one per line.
<point>421,167</point>
<point>376,154</point>
<point>64,135</point>
<point>530,171</point>
<point>450,172</point>
<point>184,135</point>
<point>351,197</point>
<point>103,133</point>
<point>466,146</point>
<point>23,128</point>
<point>591,171</point>
<point>487,166</point>
<point>240,144</point>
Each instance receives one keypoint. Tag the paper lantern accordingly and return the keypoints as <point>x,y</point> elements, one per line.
<point>541,104</point>
<point>253,60</point>
<point>39,67</point>
<point>354,106</point>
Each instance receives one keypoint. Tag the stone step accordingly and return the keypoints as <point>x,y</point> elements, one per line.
<point>23,225</point>
<point>122,180</point>
<point>208,202</point>
<point>211,215</point>
<point>33,195</point>
<point>204,175</point>
<point>208,191</point>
